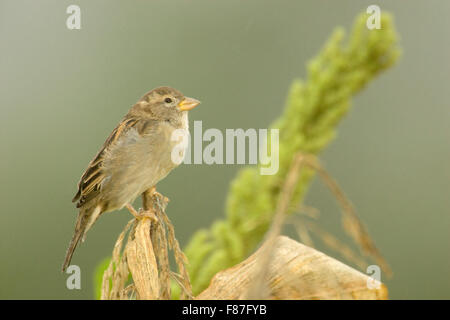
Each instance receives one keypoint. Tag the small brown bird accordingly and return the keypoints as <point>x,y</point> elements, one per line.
<point>136,155</point>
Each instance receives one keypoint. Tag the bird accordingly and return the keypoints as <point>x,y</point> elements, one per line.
<point>133,159</point>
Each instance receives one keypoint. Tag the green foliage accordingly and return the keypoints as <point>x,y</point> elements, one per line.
<point>98,276</point>
<point>307,125</point>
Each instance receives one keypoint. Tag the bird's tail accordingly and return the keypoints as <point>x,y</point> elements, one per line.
<point>86,217</point>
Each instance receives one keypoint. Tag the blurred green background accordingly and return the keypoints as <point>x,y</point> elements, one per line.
<point>62,92</point>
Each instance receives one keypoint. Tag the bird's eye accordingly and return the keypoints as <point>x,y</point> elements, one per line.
<point>168,100</point>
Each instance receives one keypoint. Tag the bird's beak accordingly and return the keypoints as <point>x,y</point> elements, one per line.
<point>188,104</point>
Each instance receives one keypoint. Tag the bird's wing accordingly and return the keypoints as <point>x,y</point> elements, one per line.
<point>91,180</point>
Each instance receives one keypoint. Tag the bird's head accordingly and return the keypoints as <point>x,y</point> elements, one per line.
<point>164,103</point>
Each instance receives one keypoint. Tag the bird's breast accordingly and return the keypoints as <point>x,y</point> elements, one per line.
<point>139,161</point>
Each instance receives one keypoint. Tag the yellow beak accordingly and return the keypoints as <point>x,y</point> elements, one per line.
<point>188,104</point>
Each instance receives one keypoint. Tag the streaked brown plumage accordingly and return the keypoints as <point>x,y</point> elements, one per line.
<point>135,156</point>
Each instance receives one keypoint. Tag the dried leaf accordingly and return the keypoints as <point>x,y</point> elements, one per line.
<point>142,262</point>
<point>146,257</point>
<point>295,272</point>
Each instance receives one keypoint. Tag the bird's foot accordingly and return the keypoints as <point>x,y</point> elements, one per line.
<point>150,214</point>
<point>151,195</point>
<point>157,196</point>
<point>160,199</point>
<point>141,214</point>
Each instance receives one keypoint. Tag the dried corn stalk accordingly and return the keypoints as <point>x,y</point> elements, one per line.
<point>145,257</point>
<point>295,271</point>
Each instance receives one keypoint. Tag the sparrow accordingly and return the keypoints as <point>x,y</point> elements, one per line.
<point>133,159</point>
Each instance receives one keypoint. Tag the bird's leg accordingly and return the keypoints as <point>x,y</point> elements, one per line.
<point>147,202</point>
<point>132,211</point>
<point>148,197</point>
<point>139,215</point>
<point>158,199</point>
<point>155,194</point>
